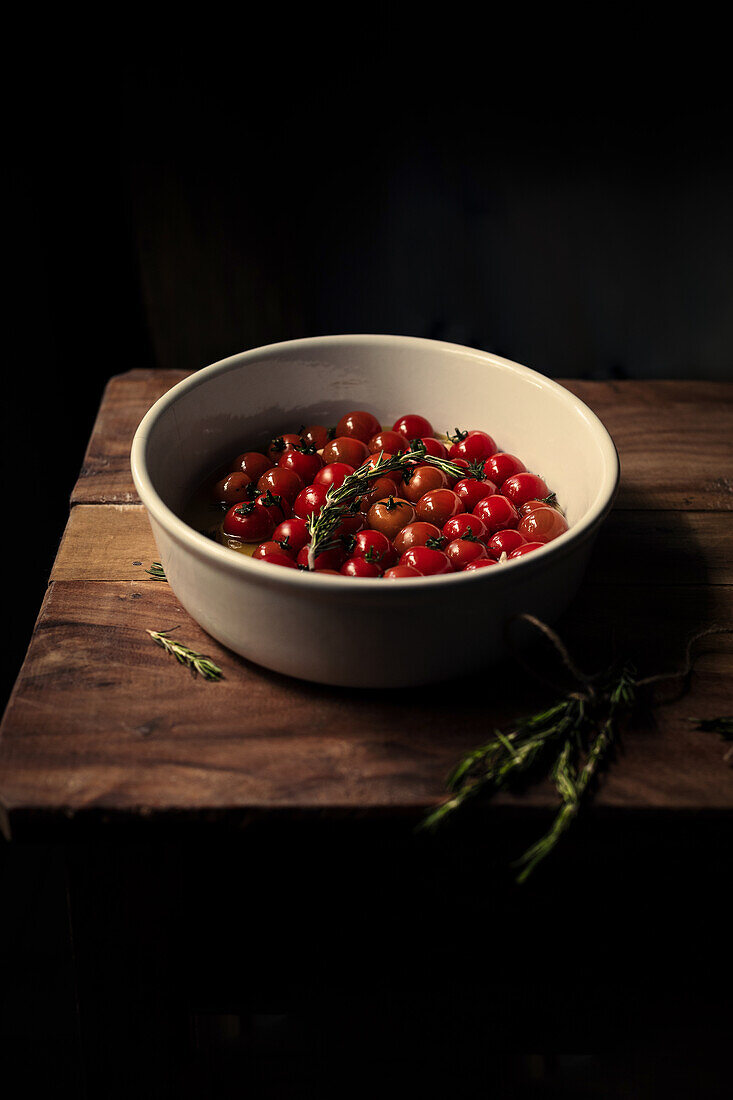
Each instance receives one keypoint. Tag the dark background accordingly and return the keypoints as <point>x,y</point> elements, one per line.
<point>560,195</point>
<point>563,201</point>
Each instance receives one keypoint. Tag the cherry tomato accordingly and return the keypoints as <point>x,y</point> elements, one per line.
<point>461,552</point>
<point>376,544</point>
<point>463,464</point>
<point>248,522</point>
<point>358,425</point>
<point>426,561</point>
<point>378,459</point>
<point>474,446</point>
<point>303,463</point>
<point>433,446</point>
<point>415,534</point>
<point>310,500</point>
<point>274,553</point>
<point>234,488</point>
<point>253,464</point>
<point>413,426</point>
<point>361,567</point>
<point>281,482</point>
<point>502,465</point>
<point>470,491</point>
<point>390,516</point>
<point>381,487</point>
<point>334,474</point>
<point>280,444</point>
<point>526,549</point>
<point>522,487</point>
<point>276,507</point>
<point>465,524</point>
<point>351,524</point>
<point>343,449</point>
<point>531,506</point>
<point>543,525</point>
<point>333,572</point>
<point>478,564</point>
<point>438,506</point>
<point>316,434</point>
<point>504,542</point>
<point>292,534</point>
<point>326,560</point>
<point>497,513</point>
<point>398,572</point>
<point>388,441</point>
<point>421,480</point>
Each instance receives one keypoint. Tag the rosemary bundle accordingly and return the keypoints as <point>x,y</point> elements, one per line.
<point>341,501</point>
<point>569,742</point>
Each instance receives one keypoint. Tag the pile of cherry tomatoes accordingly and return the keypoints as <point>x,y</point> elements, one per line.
<point>419,522</point>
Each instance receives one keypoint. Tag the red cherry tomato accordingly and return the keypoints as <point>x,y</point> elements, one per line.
<point>351,524</point>
<point>413,426</point>
<point>502,465</point>
<point>497,513</point>
<point>382,487</point>
<point>433,446</point>
<point>233,488</point>
<point>361,567</point>
<point>376,544</point>
<point>415,534</point>
<point>393,442</point>
<point>474,446</point>
<point>327,559</point>
<point>465,524</point>
<point>526,549</point>
<point>390,516</point>
<point>381,457</point>
<point>281,443</point>
<point>520,488</point>
<point>543,525</point>
<point>470,491</point>
<point>292,535</point>
<point>302,463</point>
<point>253,464</point>
<point>428,562</point>
<point>398,572</point>
<point>281,482</point>
<point>316,434</point>
<point>310,501</point>
<point>480,563</point>
<point>248,522</point>
<point>334,474</point>
<point>438,506</point>
<point>531,506</point>
<point>345,449</point>
<point>421,480</point>
<point>461,552</point>
<point>276,507</point>
<point>504,542</point>
<point>358,425</point>
<point>274,553</point>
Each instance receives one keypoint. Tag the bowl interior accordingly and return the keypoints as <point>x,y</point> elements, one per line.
<point>240,403</point>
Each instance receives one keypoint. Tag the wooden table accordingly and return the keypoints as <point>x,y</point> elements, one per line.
<point>248,846</point>
<point>103,724</point>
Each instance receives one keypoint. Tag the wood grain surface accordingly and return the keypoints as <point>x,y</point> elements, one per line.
<point>101,720</point>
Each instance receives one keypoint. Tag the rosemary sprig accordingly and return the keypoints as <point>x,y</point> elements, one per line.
<point>157,572</point>
<point>196,662</point>
<point>323,526</point>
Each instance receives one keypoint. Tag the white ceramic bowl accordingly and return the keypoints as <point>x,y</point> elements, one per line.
<point>362,632</point>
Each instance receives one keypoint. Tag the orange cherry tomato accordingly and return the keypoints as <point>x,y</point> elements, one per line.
<point>390,516</point>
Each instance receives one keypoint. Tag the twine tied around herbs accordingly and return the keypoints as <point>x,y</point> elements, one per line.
<point>570,741</point>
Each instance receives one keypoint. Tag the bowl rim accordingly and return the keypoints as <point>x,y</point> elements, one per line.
<point>214,552</point>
